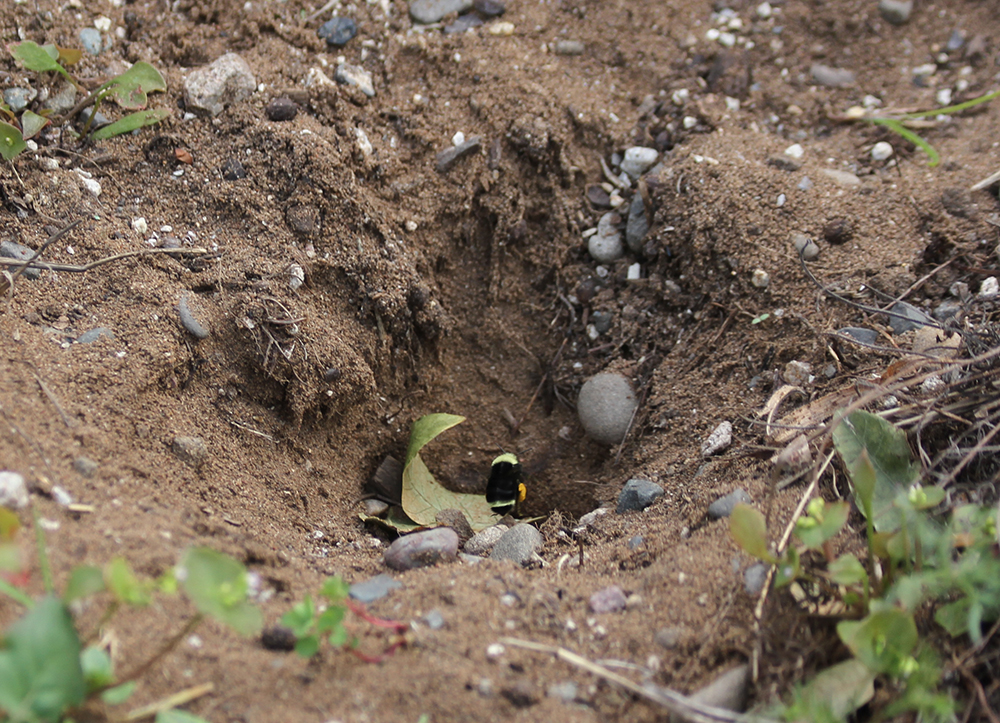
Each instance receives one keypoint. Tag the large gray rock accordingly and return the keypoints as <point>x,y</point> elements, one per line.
<point>728,691</point>
<point>723,507</point>
<point>431,11</point>
<point>637,495</point>
<point>422,549</point>
<point>215,87</point>
<point>520,543</point>
<point>605,407</point>
<point>896,12</point>
<point>908,318</point>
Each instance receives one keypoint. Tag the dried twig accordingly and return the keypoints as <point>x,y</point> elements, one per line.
<point>79,269</point>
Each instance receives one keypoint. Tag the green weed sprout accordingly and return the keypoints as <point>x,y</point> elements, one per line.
<point>130,90</point>
<point>47,669</point>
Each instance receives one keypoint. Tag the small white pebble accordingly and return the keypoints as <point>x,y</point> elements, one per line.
<point>690,122</point>
<point>458,139</point>
<point>139,225</point>
<point>712,34</point>
<point>881,151</point>
<point>727,40</point>
<point>103,24</point>
<point>760,279</point>
<point>764,10</point>
<point>870,101</point>
<point>943,96</point>
<point>495,650</point>
<point>732,104</point>
<point>411,226</point>
<point>680,96</point>
<point>296,276</point>
<point>795,151</point>
<point>634,272</point>
<point>989,288</point>
<point>781,200</point>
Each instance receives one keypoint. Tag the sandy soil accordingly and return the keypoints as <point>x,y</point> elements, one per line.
<point>430,291</point>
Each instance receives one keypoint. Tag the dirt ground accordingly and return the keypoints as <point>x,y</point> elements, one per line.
<point>465,291</point>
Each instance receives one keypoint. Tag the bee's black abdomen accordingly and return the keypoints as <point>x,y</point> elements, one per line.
<point>505,480</point>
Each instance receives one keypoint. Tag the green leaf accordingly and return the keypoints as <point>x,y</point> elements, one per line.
<point>10,525</point>
<point>422,496</point>
<point>32,124</point>
<point>37,58</point>
<point>878,462</point>
<point>130,123</point>
<point>301,618</point>
<point>883,641</point>
<point>308,646</point>
<point>11,141</point>
<point>124,585</point>
<point>330,619</point>
<point>172,715</point>
<point>834,517</point>
<point>897,127</point>
<point>954,616</point>
<point>130,89</point>
<point>334,589</point>
<point>40,672</point>
<point>847,570</point>
<point>84,580</point>
<point>395,519</point>
<point>119,694</point>
<point>217,585</point>
<point>167,582</point>
<point>841,689</point>
<point>97,668</point>
<point>749,530</point>
<point>787,568</point>
<point>338,638</point>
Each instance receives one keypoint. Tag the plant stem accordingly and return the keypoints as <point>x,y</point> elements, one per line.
<point>43,555</point>
<point>161,653</point>
<point>15,594</point>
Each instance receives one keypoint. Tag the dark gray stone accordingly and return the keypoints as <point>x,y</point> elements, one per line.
<point>723,507</point>
<point>609,600</point>
<point>85,466</point>
<point>865,336</point>
<point>914,318</point>
<point>598,197</point>
<point>100,120</point>
<point>896,12</point>
<point>637,495</point>
<point>232,170</point>
<point>947,309</point>
<point>338,32</point>
<point>602,321</point>
<point>520,543</point>
<point>431,11</point>
<point>489,8</point>
<point>18,98</point>
<point>282,109</point>
<point>754,578</point>
<point>637,226</point>
<point>456,520</point>
<point>450,156</point>
<point>422,549</point>
<point>278,637</point>
<point>373,589</point>
<point>12,250</point>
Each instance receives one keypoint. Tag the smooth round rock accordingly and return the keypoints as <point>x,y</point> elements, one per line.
<point>423,549</point>
<point>754,578</point>
<point>605,407</point>
<point>609,600</point>
<point>723,507</point>
<point>18,98</point>
<point>282,109</point>
<point>638,160</point>
<point>13,491</point>
<point>831,77</point>
<point>373,589</point>
<point>90,38</point>
<point>278,637</point>
<point>430,11</point>
<point>338,32</point>
<point>520,543</point>
<point>637,495</point>
<point>606,245</point>
<point>896,12</point>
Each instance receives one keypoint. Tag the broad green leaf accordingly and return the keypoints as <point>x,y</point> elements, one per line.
<point>53,50</point>
<point>788,568</point>
<point>173,715</point>
<point>868,444</point>
<point>130,89</point>
<point>883,641</point>
<point>308,646</point>
<point>119,694</point>
<point>834,517</point>
<point>69,56</point>
<point>83,581</point>
<point>330,619</point>
<point>123,583</point>
<point>334,589</point>
<point>749,530</point>
<point>32,124</point>
<point>422,496</point>
<point>301,618</point>
<point>217,585</point>
<point>40,672</point>
<point>9,525</point>
<point>338,638</point>
<point>842,688</point>
<point>37,58</point>
<point>954,616</point>
<point>97,668</point>
<point>130,123</point>
<point>847,570</point>
<point>11,141</point>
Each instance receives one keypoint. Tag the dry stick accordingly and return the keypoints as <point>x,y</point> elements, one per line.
<point>168,646</point>
<point>676,703</point>
<point>950,477</point>
<point>51,240</point>
<point>171,701</point>
<point>55,402</point>
<point>916,284</point>
<point>72,268</point>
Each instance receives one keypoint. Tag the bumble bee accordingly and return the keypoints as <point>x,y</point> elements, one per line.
<point>505,490</point>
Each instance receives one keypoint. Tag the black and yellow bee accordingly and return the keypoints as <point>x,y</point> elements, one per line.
<point>505,490</point>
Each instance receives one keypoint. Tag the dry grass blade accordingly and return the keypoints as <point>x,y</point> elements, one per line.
<point>171,701</point>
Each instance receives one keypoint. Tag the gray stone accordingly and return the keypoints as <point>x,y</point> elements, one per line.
<point>464,23</point>
<point>896,12</point>
<point>483,541</point>
<point>88,337</point>
<point>12,250</point>
<point>490,8</point>
<point>373,589</point>
<point>723,507</point>
<point>85,466</point>
<point>565,692</point>
<point>450,156</point>
<point>602,321</point>
<point>434,619</point>
<point>215,87</point>
<point>13,491</point>
<point>61,496</point>
<point>456,520</point>
<point>831,77</point>
<point>375,508</point>
<point>636,542</point>
<point>282,110</point>
<point>337,32</point>
<point>609,600</point>
<point>947,309</point>
<point>913,318</point>
<point>605,407</point>
<point>637,225</point>
<point>568,47</point>
<point>100,120</point>
<point>356,76</point>
<point>754,578</point>
<point>606,245</point>
<point>62,100</point>
<point>805,246</point>
<point>719,440</point>
<point>638,160</point>
<point>841,178</point>
<point>637,495</point>
<point>90,38</point>
<point>422,549</point>
<point>669,638</point>
<point>431,11</point>
<point>18,98</point>
<point>955,41</point>
<point>865,336</point>
<point>520,543</point>
<point>728,691</point>
<point>190,450</point>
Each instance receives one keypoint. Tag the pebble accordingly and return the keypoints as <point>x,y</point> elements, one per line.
<point>338,32</point>
<point>356,76</point>
<point>637,495</point>
<point>805,184</point>
<point>484,540</point>
<point>455,519</point>
<point>232,170</point>
<point>719,440</point>
<point>373,589</point>
<point>520,543</point>
<point>598,196</point>
<point>62,100</point>
<point>188,319</point>
<point>989,288</point>
<point>831,77</point>
<point>723,507</point>
<point>464,23</point>
<point>85,466</point>
<point>797,373</point>
<point>18,98</point>
<point>431,11</point>
<point>282,109</point>
<point>609,600</point>
<point>728,691</point>
<point>434,619</point>
<point>895,12</point>
<point>13,250</point>
<point>841,178</point>
<point>636,542</point>
<point>215,87</point>
<point>785,163</point>
<point>304,218</point>
<point>955,41</point>
<point>838,231</point>
<point>754,578</point>
<point>490,8</point>
<point>795,151</point>
<point>13,491</point>
<point>914,318</point>
<point>805,246</point>
<point>605,407</point>
<point>450,156</point>
<point>947,309</point>
<point>278,637</point>
<point>606,245</point>
<point>590,519</point>
<point>568,47</point>
<point>521,694</point>
<point>637,226</point>
<point>670,637</point>
<point>190,450</point>
<point>93,335</point>
<point>422,549</point>
<point>565,692</point>
<point>90,38</point>
<point>882,151</point>
<point>958,202</point>
<point>375,508</point>
<point>638,160</point>
<point>761,279</point>
<point>602,321</point>
<point>865,336</point>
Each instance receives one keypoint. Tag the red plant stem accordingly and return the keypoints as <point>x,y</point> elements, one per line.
<point>359,610</point>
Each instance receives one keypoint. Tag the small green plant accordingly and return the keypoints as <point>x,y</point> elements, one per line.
<point>48,670</point>
<point>311,623</point>
<point>130,90</point>
<point>913,559</point>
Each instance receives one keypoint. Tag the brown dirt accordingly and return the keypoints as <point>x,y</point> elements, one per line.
<point>449,292</point>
